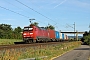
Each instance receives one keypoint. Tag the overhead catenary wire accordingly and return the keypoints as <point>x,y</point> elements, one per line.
<point>29,8</point>
<point>17,13</point>
<point>21,9</point>
<point>14,12</point>
<point>16,6</point>
<point>26,11</point>
<point>35,11</point>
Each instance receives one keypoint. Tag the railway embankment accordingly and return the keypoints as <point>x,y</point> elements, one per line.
<point>41,51</point>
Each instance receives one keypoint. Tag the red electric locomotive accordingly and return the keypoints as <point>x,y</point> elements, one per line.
<point>35,34</point>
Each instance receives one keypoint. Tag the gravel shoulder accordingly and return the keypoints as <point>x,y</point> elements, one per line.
<point>81,53</point>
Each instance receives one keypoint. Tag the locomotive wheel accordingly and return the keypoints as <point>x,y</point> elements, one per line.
<point>37,40</point>
<point>34,41</point>
<point>46,40</point>
<point>29,41</point>
<point>26,41</point>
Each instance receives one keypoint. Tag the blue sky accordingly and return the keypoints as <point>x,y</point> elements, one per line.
<point>60,13</point>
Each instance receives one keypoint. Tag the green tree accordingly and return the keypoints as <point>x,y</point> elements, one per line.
<point>87,38</point>
<point>5,31</point>
<point>35,23</point>
<point>17,33</point>
<point>50,27</point>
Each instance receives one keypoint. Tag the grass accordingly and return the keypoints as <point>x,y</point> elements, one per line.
<point>89,58</point>
<point>8,41</point>
<point>35,52</point>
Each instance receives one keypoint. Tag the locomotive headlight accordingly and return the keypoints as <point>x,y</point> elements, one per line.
<point>24,34</point>
<point>31,33</point>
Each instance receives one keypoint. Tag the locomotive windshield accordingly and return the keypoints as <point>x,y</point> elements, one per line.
<point>27,28</point>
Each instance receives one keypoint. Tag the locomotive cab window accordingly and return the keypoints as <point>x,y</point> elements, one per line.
<point>28,29</point>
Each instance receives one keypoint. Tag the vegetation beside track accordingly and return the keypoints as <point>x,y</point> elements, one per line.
<point>9,41</point>
<point>7,32</point>
<point>86,38</point>
<point>38,51</point>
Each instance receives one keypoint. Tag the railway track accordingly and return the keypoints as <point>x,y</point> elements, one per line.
<point>27,45</point>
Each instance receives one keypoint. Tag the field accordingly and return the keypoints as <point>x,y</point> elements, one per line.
<point>46,52</point>
<point>8,41</point>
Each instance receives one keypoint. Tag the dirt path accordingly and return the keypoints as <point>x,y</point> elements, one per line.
<point>81,53</point>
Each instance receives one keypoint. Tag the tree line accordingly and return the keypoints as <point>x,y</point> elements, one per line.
<point>7,32</point>
<point>86,38</point>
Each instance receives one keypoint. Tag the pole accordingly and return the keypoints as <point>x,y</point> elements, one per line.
<point>74,30</point>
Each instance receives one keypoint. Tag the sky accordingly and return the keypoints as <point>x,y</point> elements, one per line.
<point>60,13</point>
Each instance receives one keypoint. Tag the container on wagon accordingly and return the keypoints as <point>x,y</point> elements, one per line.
<point>51,34</point>
<point>57,35</point>
<point>63,36</point>
<point>66,37</point>
<point>60,36</point>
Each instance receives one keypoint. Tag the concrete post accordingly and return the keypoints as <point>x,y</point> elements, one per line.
<point>76,35</point>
